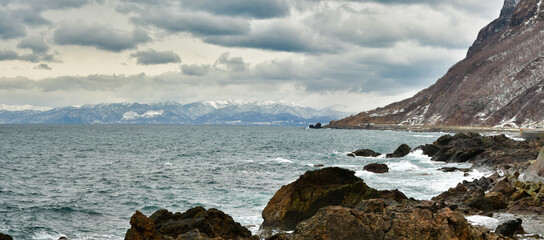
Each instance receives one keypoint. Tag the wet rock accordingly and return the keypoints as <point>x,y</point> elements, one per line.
<point>429,149</point>
<point>195,223</point>
<point>453,169</point>
<point>497,200</point>
<point>504,187</point>
<point>301,199</point>
<point>279,236</point>
<point>510,228</point>
<point>5,237</point>
<point>376,168</point>
<point>365,153</point>
<point>401,151</point>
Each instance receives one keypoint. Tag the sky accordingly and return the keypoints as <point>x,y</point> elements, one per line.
<point>357,54</point>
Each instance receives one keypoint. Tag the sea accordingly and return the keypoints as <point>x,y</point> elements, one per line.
<point>86,181</point>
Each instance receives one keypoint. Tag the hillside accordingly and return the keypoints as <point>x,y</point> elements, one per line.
<point>233,112</point>
<point>499,83</point>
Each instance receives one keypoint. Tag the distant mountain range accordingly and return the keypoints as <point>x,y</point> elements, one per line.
<point>499,83</point>
<point>231,112</point>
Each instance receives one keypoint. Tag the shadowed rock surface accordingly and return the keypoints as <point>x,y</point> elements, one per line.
<point>364,153</point>
<point>195,223</point>
<point>510,228</point>
<point>401,151</point>
<point>5,237</point>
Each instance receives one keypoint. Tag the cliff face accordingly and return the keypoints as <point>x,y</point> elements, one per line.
<point>499,83</point>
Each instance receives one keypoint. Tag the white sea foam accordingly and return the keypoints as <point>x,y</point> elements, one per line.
<point>43,235</point>
<point>282,160</point>
<point>485,221</point>
<point>402,166</point>
<point>418,154</point>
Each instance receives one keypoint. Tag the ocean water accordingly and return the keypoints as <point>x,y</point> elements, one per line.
<point>86,181</point>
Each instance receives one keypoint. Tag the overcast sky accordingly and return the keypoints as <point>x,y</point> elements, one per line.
<point>360,54</point>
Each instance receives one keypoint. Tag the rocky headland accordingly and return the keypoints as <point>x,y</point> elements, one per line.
<point>499,83</point>
<point>332,203</point>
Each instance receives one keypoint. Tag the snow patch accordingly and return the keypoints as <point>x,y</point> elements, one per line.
<point>23,108</point>
<point>131,115</point>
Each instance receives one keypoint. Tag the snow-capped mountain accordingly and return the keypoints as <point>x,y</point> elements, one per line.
<point>499,83</point>
<point>230,112</point>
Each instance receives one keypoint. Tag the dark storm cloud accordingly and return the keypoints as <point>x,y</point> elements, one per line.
<point>195,70</point>
<point>250,8</point>
<point>10,26</point>
<point>100,36</point>
<point>150,56</point>
<point>197,23</point>
<point>35,43</point>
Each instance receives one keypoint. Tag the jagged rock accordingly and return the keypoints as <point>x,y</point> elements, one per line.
<point>364,153</point>
<point>401,151</point>
<point>376,168</point>
<point>497,200</point>
<point>5,237</point>
<point>279,236</point>
<point>141,228</point>
<point>504,187</point>
<point>301,199</point>
<point>510,228</point>
<point>317,126</point>
<point>195,223</point>
<point>418,221</point>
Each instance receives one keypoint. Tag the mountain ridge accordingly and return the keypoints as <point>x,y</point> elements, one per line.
<point>229,112</point>
<point>499,83</point>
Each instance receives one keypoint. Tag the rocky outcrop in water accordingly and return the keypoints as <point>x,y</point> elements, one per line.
<point>376,168</point>
<point>401,151</point>
<point>5,237</point>
<point>510,228</point>
<point>195,223</point>
<point>499,83</point>
<point>364,153</point>
<point>301,199</point>
<point>497,150</point>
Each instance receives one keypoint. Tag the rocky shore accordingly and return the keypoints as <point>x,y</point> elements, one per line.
<point>332,203</point>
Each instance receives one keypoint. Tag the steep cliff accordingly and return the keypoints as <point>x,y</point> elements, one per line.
<point>499,83</point>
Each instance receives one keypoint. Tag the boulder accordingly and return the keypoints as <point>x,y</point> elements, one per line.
<point>429,149</point>
<point>364,153</point>
<point>195,223</point>
<point>497,200</point>
<point>418,221</point>
<point>376,168</point>
<point>313,190</point>
<point>401,151</point>
<point>5,237</point>
<point>510,228</point>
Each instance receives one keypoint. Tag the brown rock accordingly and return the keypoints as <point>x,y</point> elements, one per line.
<point>141,228</point>
<point>376,168</point>
<point>5,237</point>
<point>504,187</point>
<point>497,200</point>
<point>400,222</point>
<point>301,199</point>
<point>194,224</point>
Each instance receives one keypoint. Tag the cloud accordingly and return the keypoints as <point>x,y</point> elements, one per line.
<point>195,70</point>
<point>150,57</point>
<point>35,43</point>
<point>197,23</point>
<point>10,26</point>
<point>279,35</point>
<point>43,66</point>
<point>249,8</point>
<point>8,55</point>
<point>102,37</point>
<point>227,63</point>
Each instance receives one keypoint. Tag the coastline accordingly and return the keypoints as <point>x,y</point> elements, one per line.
<point>432,128</point>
